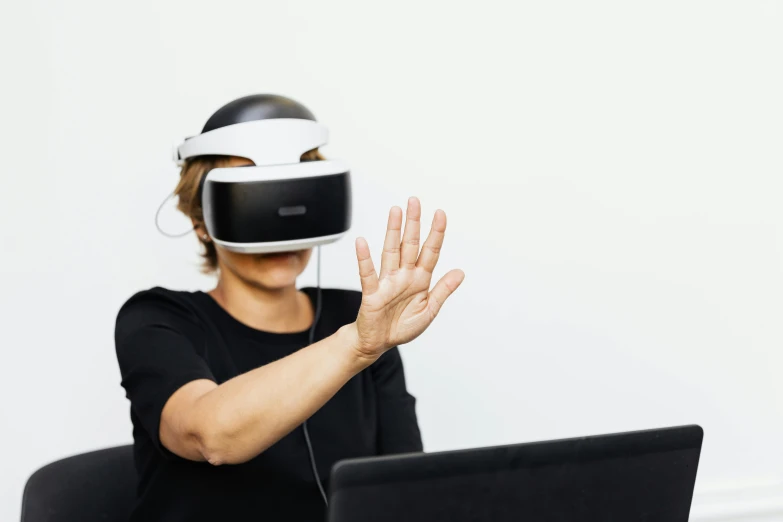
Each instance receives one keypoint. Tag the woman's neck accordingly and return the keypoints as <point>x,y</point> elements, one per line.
<point>278,310</point>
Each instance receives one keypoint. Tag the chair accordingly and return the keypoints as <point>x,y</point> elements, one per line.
<point>91,487</point>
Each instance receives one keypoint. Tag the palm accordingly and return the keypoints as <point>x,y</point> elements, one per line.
<point>397,304</point>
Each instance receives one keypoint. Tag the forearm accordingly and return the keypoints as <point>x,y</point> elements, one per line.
<point>246,415</point>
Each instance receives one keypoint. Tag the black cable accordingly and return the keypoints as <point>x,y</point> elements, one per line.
<point>311,340</point>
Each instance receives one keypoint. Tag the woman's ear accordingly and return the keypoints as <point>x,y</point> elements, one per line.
<point>201,231</point>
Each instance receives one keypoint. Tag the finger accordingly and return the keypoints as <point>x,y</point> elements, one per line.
<point>443,289</point>
<point>367,273</point>
<point>390,259</point>
<point>430,252</point>
<point>410,239</point>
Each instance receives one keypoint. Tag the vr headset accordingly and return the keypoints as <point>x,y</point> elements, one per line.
<point>280,203</point>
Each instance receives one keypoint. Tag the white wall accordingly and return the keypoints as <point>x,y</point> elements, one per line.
<point>611,170</point>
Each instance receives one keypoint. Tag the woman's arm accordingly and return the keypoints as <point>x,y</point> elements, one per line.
<point>242,417</point>
<point>237,420</point>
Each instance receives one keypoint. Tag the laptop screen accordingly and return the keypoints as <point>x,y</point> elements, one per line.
<point>643,476</point>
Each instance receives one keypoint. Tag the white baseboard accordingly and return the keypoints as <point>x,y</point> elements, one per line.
<point>754,504</point>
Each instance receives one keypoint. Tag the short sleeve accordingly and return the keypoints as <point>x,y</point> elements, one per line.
<point>398,430</point>
<point>157,355</point>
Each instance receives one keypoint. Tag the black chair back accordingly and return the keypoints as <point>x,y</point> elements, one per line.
<point>99,486</point>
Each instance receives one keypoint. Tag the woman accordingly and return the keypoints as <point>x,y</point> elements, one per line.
<point>219,382</point>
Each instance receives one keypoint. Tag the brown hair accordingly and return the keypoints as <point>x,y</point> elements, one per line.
<point>189,203</point>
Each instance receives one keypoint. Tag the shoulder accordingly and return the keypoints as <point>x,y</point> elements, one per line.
<point>339,298</point>
<point>155,306</point>
<point>341,304</point>
<point>158,298</point>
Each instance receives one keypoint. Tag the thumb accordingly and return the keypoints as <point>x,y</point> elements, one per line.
<point>447,285</point>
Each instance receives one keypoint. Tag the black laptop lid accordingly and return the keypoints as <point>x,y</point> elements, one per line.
<point>645,476</point>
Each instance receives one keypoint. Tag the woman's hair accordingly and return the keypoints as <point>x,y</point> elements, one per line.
<point>189,203</point>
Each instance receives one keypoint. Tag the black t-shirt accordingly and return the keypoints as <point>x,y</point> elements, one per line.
<point>165,339</point>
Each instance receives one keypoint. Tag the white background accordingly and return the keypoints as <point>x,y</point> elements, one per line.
<point>611,172</point>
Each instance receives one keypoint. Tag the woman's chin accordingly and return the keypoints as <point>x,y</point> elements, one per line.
<point>278,270</point>
<point>274,280</point>
<point>274,271</point>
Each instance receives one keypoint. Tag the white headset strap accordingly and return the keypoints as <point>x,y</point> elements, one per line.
<point>264,142</point>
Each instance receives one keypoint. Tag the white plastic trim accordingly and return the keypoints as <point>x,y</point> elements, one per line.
<point>264,142</point>
<point>277,246</point>
<point>307,169</point>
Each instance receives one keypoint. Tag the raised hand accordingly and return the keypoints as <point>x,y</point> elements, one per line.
<point>397,304</point>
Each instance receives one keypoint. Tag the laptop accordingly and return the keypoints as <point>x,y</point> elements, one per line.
<point>643,476</point>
